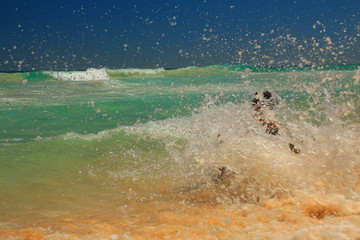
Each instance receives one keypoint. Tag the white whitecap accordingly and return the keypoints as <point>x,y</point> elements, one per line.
<point>90,74</point>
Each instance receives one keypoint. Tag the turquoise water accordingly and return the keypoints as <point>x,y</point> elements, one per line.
<point>48,107</point>
<point>68,146</point>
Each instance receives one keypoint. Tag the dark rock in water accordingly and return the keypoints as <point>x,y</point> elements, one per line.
<point>265,100</point>
<point>293,149</point>
<point>267,94</point>
<point>224,174</point>
<point>272,128</point>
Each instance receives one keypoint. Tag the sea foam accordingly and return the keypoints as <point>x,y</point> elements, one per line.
<point>131,72</point>
<point>90,74</point>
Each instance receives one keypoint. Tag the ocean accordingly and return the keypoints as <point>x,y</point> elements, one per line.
<point>180,153</point>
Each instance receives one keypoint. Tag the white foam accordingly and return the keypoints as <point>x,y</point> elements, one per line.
<point>90,74</point>
<point>228,135</point>
<point>133,71</point>
<point>93,136</point>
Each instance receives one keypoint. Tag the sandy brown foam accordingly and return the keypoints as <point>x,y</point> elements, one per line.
<point>302,216</point>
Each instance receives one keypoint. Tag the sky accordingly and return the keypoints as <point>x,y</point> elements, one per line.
<point>80,34</point>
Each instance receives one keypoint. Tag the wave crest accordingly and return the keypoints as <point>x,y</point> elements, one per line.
<point>90,74</point>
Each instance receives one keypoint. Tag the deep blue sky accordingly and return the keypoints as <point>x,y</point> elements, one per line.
<point>78,34</point>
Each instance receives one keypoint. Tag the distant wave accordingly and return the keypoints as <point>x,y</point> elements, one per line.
<point>105,74</point>
<point>90,74</point>
<point>133,71</point>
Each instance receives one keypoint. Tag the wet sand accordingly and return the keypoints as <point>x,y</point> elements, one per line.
<point>302,216</point>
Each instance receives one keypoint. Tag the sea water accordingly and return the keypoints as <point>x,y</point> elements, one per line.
<point>141,153</point>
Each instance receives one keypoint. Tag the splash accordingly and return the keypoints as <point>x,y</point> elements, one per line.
<point>211,172</point>
<point>232,158</point>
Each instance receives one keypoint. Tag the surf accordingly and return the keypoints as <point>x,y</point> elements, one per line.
<point>179,148</point>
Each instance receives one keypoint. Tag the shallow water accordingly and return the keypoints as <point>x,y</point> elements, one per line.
<point>139,156</point>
